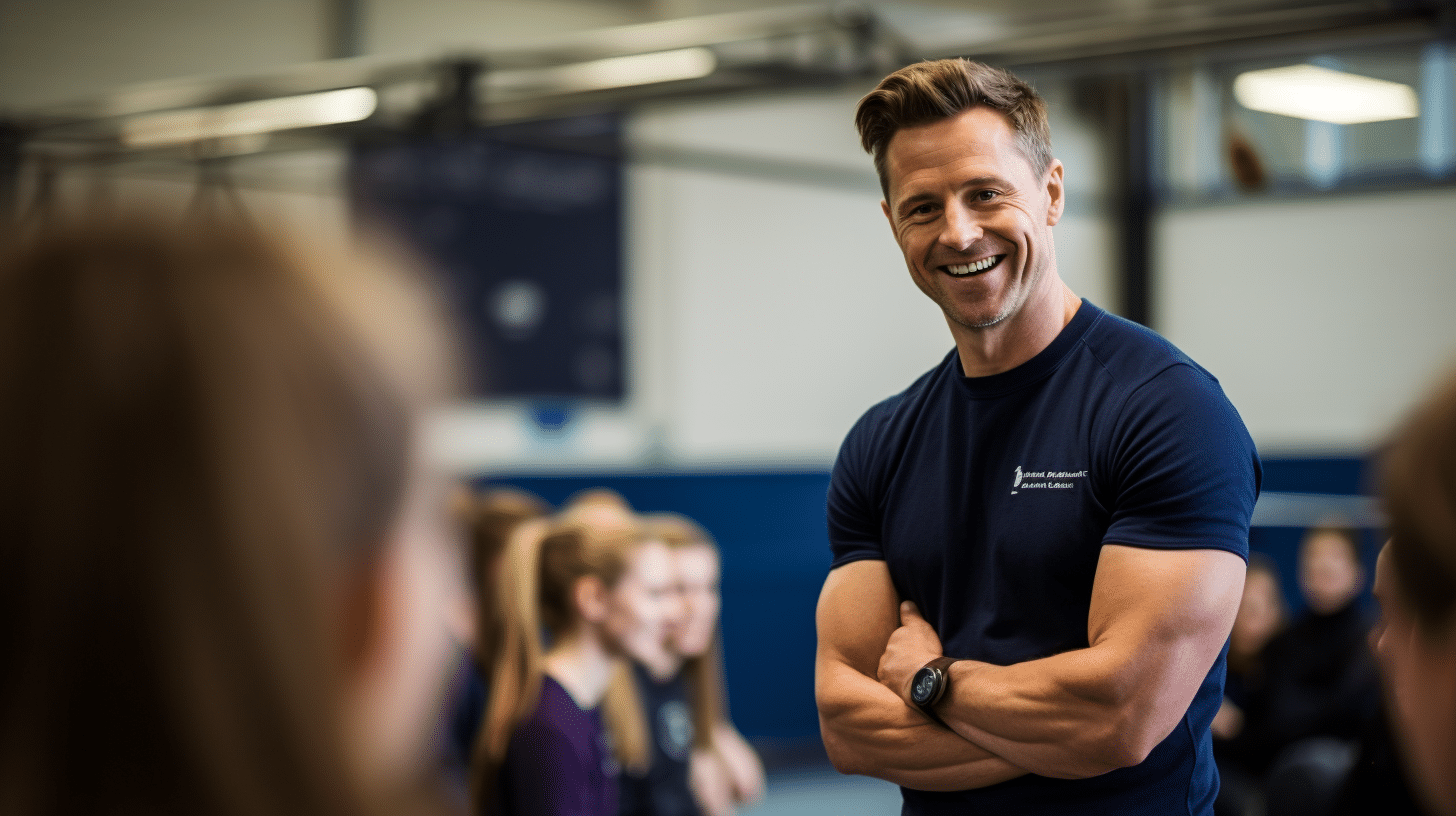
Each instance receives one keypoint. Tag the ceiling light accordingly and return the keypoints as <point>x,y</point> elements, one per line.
<point>1324,95</point>
<point>612,72</point>
<point>249,118</point>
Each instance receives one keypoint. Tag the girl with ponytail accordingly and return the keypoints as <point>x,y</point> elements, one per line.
<point>591,582</point>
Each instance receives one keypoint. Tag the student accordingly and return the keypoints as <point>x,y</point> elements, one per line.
<point>595,585</point>
<point>225,558</point>
<point>1261,617</point>
<point>700,762</point>
<point>488,518</point>
<point>1415,581</point>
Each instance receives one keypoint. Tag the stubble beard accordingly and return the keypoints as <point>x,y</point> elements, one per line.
<point>1018,299</point>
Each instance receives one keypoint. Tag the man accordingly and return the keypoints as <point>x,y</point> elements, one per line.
<point>1062,503</point>
<point>1415,581</point>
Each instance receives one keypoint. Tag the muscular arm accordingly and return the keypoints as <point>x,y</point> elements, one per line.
<point>1157,622</point>
<point>867,728</point>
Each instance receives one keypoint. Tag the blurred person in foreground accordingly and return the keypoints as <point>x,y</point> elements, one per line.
<point>700,763</point>
<point>1415,582</point>
<point>225,555</point>
<point>578,591</point>
<point>1039,547</point>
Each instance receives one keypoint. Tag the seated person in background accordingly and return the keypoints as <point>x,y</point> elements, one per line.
<point>726,771</point>
<point>592,582</point>
<point>1262,616</point>
<point>700,763</point>
<point>1415,581</point>
<point>226,558</point>
<point>1320,690</point>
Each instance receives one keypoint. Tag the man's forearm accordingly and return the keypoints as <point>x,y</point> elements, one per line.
<point>869,730</point>
<point>1157,622</point>
<point>1055,717</point>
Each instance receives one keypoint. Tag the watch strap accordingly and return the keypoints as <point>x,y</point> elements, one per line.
<point>942,665</point>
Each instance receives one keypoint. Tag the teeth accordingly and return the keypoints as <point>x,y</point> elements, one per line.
<point>978,266</point>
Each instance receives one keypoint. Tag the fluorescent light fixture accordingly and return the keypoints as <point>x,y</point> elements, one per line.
<point>1312,92</point>
<point>249,118</point>
<point>612,72</point>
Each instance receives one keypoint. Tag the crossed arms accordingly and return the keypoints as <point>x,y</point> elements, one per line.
<point>1157,622</point>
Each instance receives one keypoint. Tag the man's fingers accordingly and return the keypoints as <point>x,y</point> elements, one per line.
<point>909,612</point>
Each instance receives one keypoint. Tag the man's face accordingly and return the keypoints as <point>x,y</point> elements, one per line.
<point>971,215</point>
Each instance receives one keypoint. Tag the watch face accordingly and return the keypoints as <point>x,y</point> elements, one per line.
<point>923,688</point>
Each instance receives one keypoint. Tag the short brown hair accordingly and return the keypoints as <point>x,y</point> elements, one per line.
<point>1419,476</point>
<point>929,91</point>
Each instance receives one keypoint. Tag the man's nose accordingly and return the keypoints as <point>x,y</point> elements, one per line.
<point>960,228</point>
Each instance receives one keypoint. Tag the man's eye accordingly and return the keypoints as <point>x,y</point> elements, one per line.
<point>923,209</point>
<point>985,195</point>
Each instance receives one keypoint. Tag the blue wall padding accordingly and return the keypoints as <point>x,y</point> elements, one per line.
<point>1346,476</point>
<point>770,526</point>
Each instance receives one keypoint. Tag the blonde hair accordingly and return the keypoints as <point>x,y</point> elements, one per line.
<point>707,691</point>
<point>543,561</point>
<point>490,518</point>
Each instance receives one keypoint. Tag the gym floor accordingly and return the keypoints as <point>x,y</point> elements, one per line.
<point>822,791</point>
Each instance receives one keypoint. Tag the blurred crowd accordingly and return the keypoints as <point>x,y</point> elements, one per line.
<point>596,681</point>
<point>233,579</point>
<point>1302,728</point>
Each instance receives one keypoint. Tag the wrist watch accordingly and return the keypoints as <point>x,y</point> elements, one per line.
<point>929,686</point>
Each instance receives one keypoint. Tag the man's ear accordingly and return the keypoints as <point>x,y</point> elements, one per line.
<point>590,596</point>
<point>1056,193</point>
<point>885,208</point>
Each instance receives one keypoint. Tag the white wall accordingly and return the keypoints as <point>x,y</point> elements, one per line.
<point>1324,318</point>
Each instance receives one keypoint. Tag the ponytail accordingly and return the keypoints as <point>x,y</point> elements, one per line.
<point>542,563</point>
<point>518,663</point>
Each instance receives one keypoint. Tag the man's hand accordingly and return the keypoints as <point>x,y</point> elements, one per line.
<point>867,728</point>
<point>911,646</point>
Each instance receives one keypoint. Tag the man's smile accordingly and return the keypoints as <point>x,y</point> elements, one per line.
<point>975,267</point>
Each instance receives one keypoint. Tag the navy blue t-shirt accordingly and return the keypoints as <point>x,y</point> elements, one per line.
<point>989,500</point>
<point>664,790</point>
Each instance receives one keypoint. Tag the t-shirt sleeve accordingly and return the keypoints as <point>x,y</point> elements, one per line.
<point>853,506</point>
<point>547,775</point>
<point>1186,471</point>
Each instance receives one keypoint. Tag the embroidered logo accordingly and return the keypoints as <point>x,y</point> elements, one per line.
<point>1045,479</point>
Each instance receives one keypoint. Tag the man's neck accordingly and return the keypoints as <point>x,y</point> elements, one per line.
<point>1008,344</point>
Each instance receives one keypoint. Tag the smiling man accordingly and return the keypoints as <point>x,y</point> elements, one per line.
<point>1040,546</point>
